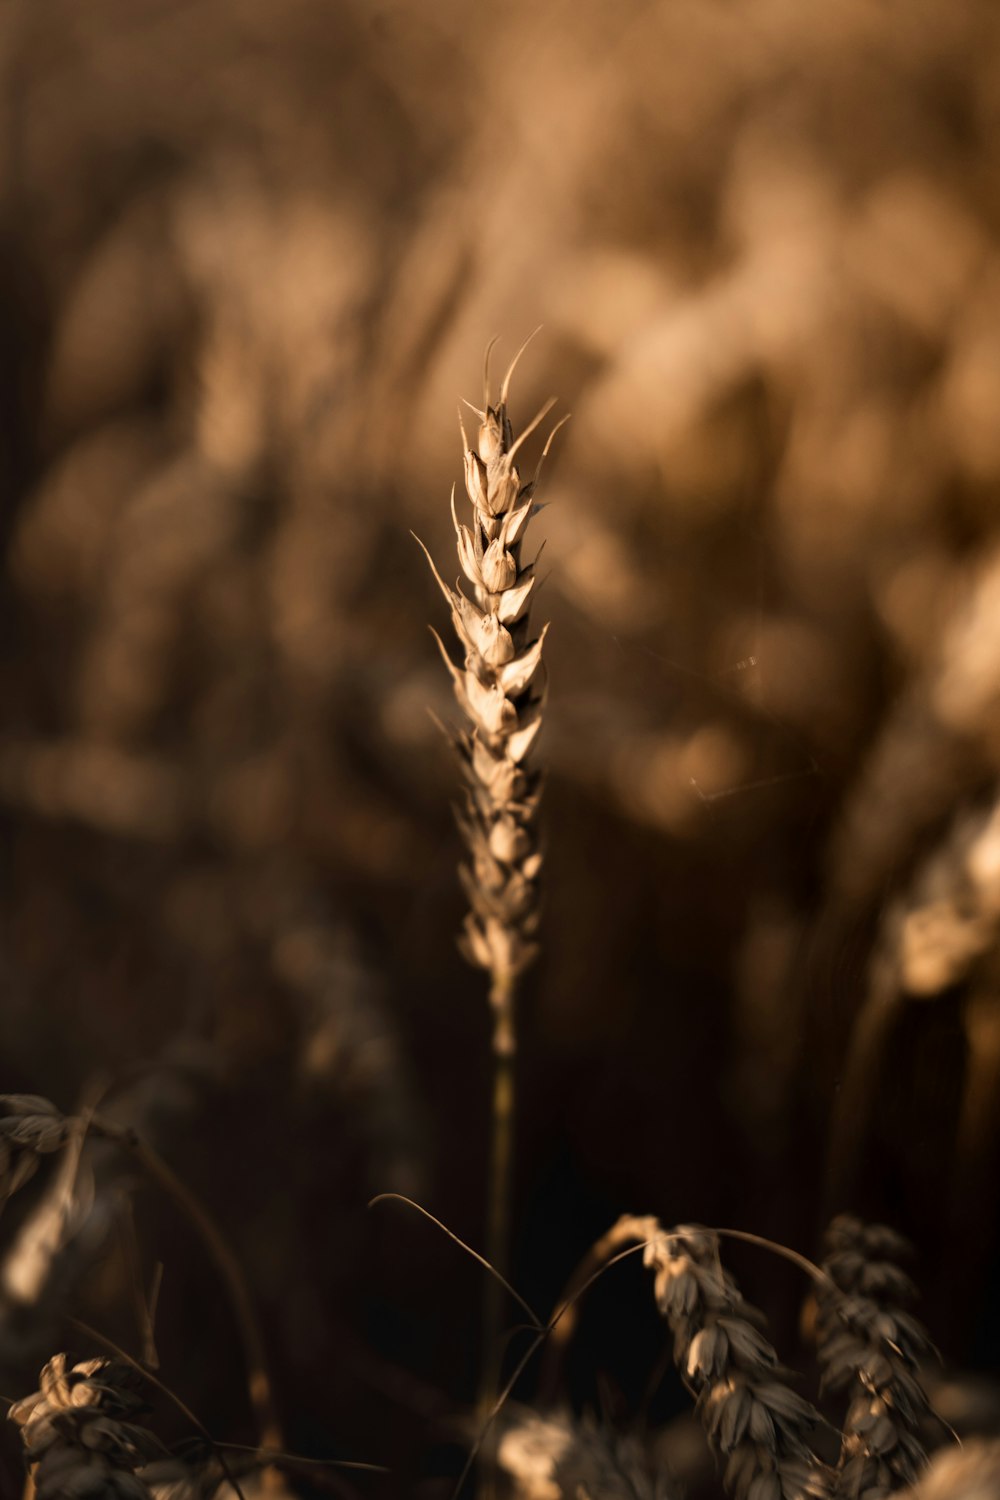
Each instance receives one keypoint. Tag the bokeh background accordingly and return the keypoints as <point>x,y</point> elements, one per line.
<point>250,257</point>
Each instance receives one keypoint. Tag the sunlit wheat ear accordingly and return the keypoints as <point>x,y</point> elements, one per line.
<point>869,1347</point>
<point>500,689</point>
<point>78,1433</point>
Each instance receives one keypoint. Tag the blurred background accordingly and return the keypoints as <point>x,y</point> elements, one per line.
<point>250,257</point>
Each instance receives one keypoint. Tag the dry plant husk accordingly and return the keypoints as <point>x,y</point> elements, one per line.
<point>500,689</point>
<point>870,1347</point>
<point>78,1433</point>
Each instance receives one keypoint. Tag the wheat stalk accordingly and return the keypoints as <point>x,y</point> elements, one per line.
<point>499,689</point>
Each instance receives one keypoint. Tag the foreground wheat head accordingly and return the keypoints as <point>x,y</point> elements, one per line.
<point>79,1437</point>
<point>773,1443</point>
<point>870,1346</point>
<point>498,689</point>
<point>754,1420</point>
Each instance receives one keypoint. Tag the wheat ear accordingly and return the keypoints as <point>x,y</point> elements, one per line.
<point>869,1346</point>
<point>753,1419</point>
<point>499,691</point>
<point>78,1435</point>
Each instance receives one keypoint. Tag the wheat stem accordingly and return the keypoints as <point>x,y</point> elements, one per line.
<point>500,691</point>
<point>502,1120</point>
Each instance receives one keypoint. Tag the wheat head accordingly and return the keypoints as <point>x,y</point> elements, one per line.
<point>754,1420</point>
<point>500,691</point>
<point>79,1439</point>
<point>870,1346</point>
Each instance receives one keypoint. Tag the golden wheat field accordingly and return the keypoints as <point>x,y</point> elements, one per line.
<point>718,825</point>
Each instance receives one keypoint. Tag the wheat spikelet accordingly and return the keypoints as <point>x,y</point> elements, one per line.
<point>78,1435</point>
<point>869,1346</point>
<point>498,689</point>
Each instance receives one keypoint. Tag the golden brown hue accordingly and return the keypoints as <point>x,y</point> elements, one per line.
<point>249,256</point>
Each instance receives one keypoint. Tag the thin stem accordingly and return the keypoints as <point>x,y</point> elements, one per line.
<point>502,1122</point>
<point>812,1270</point>
<point>502,993</point>
<point>258,1380</point>
<point>493,1411</point>
<point>511,1291</point>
